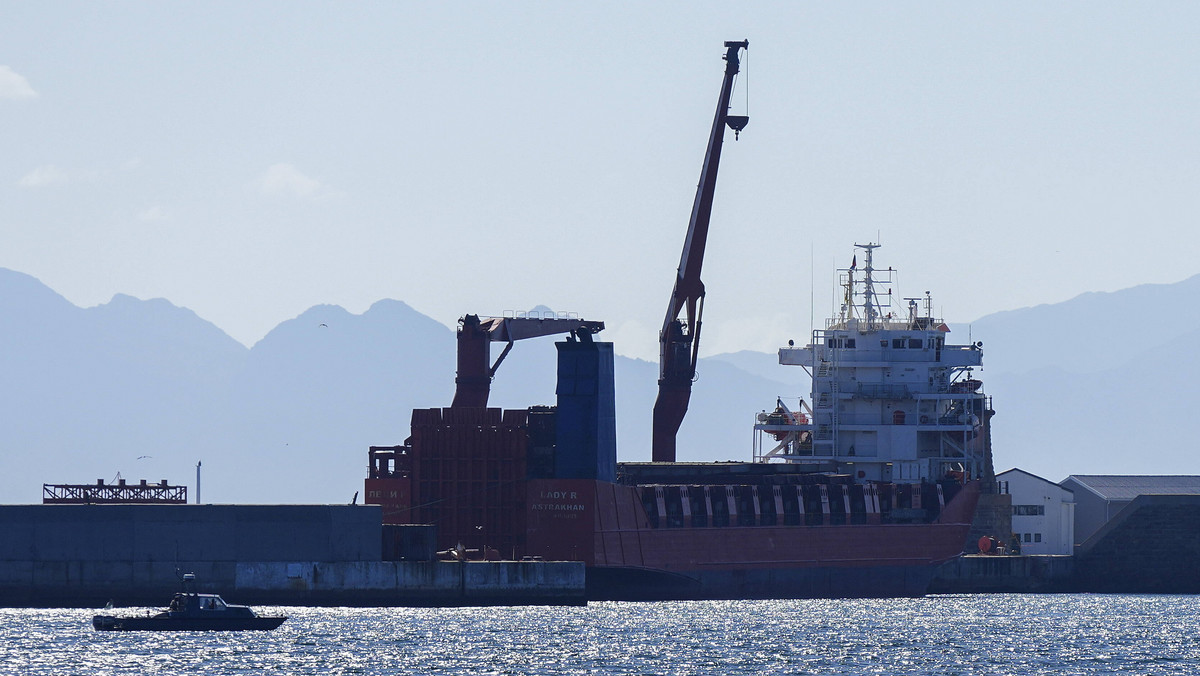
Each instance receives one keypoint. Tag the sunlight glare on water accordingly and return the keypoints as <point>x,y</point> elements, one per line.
<point>977,634</point>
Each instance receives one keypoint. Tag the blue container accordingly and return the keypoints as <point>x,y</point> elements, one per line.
<point>586,428</point>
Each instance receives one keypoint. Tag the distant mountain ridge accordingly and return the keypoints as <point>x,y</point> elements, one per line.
<point>147,389</point>
<point>1081,335</point>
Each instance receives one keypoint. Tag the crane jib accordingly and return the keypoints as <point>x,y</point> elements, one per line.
<point>679,340</point>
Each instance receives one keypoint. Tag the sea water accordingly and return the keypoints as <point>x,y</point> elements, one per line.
<point>970,634</point>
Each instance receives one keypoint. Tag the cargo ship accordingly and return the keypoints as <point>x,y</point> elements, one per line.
<point>863,491</point>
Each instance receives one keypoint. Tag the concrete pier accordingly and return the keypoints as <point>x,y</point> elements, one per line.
<point>361,583</point>
<point>1150,547</point>
<point>982,573</point>
<point>87,555</point>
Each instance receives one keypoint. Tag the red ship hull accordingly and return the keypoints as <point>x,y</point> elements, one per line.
<point>605,525</point>
<point>474,474</point>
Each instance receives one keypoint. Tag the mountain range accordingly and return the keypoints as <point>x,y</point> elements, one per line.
<point>143,389</point>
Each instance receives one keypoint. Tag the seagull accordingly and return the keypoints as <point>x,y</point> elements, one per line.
<point>143,457</point>
<point>324,324</point>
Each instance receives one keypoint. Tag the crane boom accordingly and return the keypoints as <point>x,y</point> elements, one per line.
<point>679,340</point>
<point>475,336</point>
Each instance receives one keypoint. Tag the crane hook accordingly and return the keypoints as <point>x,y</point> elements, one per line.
<point>737,123</point>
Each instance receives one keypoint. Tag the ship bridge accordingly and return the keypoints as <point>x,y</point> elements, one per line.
<point>891,399</point>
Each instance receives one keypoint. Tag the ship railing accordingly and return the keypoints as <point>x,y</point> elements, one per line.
<point>536,314</point>
<point>783,428</point>
<point>827,462</point>
<point>961,355</point>
<point>388,462</point>
<point>851,357</point>
<point>943,392</point>
<point>882,391</point>
<point>954,421</point>
<point>882,324</point>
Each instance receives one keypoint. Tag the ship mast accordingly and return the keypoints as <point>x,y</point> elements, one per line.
<point>870,303</point>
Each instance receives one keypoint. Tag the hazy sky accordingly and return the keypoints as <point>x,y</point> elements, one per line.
<point>250,160</point>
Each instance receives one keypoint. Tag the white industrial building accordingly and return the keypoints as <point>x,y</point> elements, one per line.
<point>1043,516</point>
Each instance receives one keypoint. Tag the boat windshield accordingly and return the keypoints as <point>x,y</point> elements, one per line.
<point>211,603</point>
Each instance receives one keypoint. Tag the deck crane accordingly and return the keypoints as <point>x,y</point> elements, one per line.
<point>679,340</point>
<point>475,336</point>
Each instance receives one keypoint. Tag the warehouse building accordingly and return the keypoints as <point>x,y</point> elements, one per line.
<point>1043,513</point>
<point>1099,497</point>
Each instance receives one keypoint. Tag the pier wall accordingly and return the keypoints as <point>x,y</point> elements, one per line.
<point>1150,546</point>
<point>981,574</point>
<point>346,583</point>
<point>190,533</point>
<point>87,555</point>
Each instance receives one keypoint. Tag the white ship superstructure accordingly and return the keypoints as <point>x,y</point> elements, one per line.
<point>891,399</point>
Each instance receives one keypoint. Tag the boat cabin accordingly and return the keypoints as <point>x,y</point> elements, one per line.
<point>190,604</point>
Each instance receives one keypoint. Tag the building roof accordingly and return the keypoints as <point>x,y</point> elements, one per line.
<point>1031,475</point>
<point>1128,487</point>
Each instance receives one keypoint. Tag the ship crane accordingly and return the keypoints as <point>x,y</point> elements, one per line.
<point>475,336</point>
<point>679,340</point>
